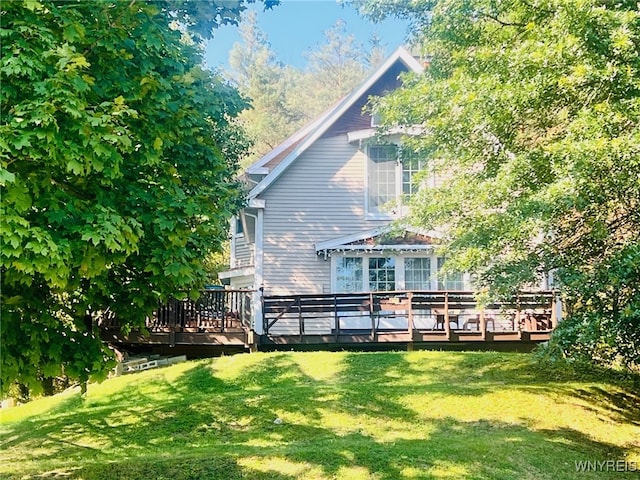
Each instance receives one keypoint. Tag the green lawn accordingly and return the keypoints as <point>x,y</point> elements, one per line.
<point>431,415</point>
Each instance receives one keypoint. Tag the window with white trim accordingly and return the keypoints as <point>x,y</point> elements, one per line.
<point>382,274</point>
<point>411,165</point>
<point>349,274</point>
<point>391,176</point>
<point>382,176</point>
<point>417,273</point>
<point>449,280</point>
<point>376,273</point>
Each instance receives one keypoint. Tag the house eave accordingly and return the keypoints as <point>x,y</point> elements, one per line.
<point>367,133</point>
<point>236,272</point>
<point>343,243</point>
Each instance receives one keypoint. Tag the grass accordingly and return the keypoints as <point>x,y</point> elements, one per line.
<point>418,415</point>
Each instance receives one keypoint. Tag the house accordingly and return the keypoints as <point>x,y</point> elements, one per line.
<point>322,203</point>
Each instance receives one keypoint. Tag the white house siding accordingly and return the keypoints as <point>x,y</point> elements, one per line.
<point>244,253</point>
<point>321,196</point>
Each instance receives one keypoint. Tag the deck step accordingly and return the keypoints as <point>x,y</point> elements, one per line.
<point>138,364</point>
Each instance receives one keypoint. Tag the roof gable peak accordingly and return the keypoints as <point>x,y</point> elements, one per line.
<point>305,137</point>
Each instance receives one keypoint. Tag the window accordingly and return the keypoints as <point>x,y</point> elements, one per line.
<point>382,274</point>
<point>349,274</point>
<point>391,175</point>
<point>411,164</point>
<point>362,273</point>
<point>417,273</point>
<point>239,227</point>
<point>449,281</point>
<point>382,176</point>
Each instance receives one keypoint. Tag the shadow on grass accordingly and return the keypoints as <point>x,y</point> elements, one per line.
<point>454,449</point>
<point>203,427</point>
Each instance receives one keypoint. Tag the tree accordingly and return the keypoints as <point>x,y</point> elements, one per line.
<point>531,110</point>
<point>334,68</point>
<point>118,158</point>
<point>268,84</point>
<point>284,98</point>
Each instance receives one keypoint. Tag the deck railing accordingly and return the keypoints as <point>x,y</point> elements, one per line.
<point>349,313</point>
<point>213,311</point>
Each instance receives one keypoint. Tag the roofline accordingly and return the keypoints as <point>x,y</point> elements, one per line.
<point>316,129</point>
<point>291,140</point>
<point>372,233</point>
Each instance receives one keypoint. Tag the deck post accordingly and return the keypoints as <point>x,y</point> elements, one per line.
<point>554,312</point>
<point>336,317</point>
<point>172,325</point>
<point>371,315</point>
<point>300,319</point>
<point>483,325</point>
<point>410,313</point>
<point>447,327</point>
<point>517,325</point>
<point>260,322</point>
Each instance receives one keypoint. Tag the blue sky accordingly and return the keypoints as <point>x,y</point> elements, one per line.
<point>295,26</point>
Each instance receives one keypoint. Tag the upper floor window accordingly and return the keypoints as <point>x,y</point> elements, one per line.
<point>391,175</point>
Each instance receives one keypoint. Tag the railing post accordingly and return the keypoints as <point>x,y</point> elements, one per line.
<point>372,317</point>
<point>172,323</point>
<point>518,316</point>
<point>447,326</point>
<point>300,319</point>
<point>260,320</point>
<point>336,317</point>
<point>483,325</point>
<point>410,313</point>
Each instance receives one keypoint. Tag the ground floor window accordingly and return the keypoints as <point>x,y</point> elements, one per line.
<point>417,273</point>
<point>449,281</point>
<point>375,273</point>
<point>382,274</point>
<point>348,274</point>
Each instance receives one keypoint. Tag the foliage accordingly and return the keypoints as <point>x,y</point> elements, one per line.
<point>118,155</point>
<point>285,98</point>
<point>532,115</point>
<point>344,415</point>
<point>268,84</point>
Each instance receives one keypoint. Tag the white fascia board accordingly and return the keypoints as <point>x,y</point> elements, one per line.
<point>368,133</point>
<point>377,248</point>
<point>236,272</point>
<point>258,171</point>
<point>257,203</point>
<point>259,166</point>
<point>358,135</point>
<point>342,242</point>
<point>355,237</point>
<point>318,128</point>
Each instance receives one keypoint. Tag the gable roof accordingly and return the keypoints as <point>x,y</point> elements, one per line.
<point>288,151</point>
<point>390,238</point>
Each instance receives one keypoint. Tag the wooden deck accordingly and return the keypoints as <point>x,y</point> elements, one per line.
<point>406,318</point>
<point>223,319</point>
<point>217,318</point>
